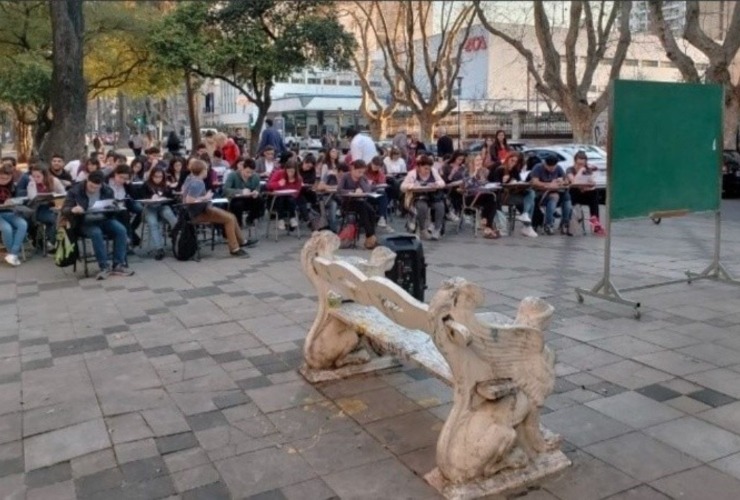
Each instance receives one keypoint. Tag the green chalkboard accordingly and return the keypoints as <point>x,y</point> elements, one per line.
<point>665,148</point>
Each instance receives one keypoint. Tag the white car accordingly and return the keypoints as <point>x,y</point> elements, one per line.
<point>565,154</point>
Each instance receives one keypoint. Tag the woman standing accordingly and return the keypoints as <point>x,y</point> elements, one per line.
<point>500,148</point>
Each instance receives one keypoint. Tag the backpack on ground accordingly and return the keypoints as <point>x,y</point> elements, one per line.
<point>317,221</point>
<point>66,252</point>
<point>184,237</point>
<point>348,235</point>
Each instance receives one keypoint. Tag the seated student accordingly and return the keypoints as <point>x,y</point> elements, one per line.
<point>156,188</point>
<point>194,191</point>
<point>422,203</point>
<point>56,168</point>
<point>79,199</point>
<point>330,177</point>
<point>474,179</point>
<point>154,159</point>
<point>454,171</point>
<point>120,183</point>
<point>376,176</point>
<point>42,182</point>
<point>266,163</point>
<point>242,187</point>
<point>86,168</point>
<point>176,173</point>
<point>355,181</point>
<point>12,226</point>
<point>510,171</point>
<point>20,179</point>
<point>581,173</point>
<point>310,180</point>
<point>286,206</point>
<point>395,169</point>
<point>549,178</point>
<point>137,170</point>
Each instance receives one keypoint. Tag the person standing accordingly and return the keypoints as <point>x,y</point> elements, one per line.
<point>361,146</point>
<point>137,143</point>
<point>444,143</point>
<point>271,137</point>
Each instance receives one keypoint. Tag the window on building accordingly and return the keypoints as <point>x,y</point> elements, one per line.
<point>330,81</point>
<point>298,79</point>
<point>358,83</point>
<point>282,79</point>
<point>607,61</point>
<point>667,64</point>
<point>314,81</point>
<point>649,63</point>
<point>375,84</point>
<point>345,83</point>
<point>630,62</point>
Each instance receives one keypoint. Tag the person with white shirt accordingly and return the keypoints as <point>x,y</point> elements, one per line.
<point>361,146</point>
<point>395,167</point>
<point>266,163</point>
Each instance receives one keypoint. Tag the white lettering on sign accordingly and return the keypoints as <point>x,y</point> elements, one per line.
<point>475,44</point>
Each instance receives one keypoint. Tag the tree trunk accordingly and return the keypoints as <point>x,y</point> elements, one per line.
<point>731,115</point>
<point>69,99</point>
<point>582,120</point>
<point>426,128</point>
<point>192,110</point>
<point>378,126</point>
<point>22,136</point>
<point>254,136</point>
<point>121,126</point>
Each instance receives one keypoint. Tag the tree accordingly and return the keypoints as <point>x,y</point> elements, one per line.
<point>250,45</point>
<point>376,110</point>
<point>420,69</point>
<point>69,98</point>
<point>569,88</point>
<point>719,55</point>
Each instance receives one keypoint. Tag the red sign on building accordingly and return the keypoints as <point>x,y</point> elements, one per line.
<point>475,44</point>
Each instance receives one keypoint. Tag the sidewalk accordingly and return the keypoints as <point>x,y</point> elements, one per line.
<point>181,381</point>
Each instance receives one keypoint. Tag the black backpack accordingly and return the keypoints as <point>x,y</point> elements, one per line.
<point>184,237</point>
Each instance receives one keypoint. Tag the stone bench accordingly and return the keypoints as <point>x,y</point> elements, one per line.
<point>500,369</point>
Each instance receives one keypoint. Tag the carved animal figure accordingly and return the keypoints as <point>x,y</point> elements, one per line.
<point>502,375</point>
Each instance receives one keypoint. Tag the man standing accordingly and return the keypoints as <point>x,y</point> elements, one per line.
<point>271,137</point>
<point>240,141</point>
<point>361,147</point>
<point>137,143</point>
<point>444,143</point>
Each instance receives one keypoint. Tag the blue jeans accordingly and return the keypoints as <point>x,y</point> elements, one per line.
<point>552,200</point>
<point>331,214</point>
<point>381,205</point>
<point>14,229</point>
<point>48,218</point>
<point>153,216</point>
<point>114,230</point>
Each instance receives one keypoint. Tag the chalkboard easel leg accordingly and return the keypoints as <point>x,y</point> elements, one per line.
<point>606,290</point>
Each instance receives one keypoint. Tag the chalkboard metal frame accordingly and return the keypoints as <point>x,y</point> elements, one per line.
<point>681,194</point>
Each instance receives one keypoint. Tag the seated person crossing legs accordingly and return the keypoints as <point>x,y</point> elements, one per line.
<point>424,196</point>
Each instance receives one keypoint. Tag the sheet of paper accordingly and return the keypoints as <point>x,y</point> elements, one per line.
<point>101,204</point>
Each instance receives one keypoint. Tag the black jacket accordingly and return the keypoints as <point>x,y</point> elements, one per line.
<point>78,196</point>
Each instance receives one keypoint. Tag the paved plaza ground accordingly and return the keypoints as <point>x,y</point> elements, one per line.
<point>181,381</point>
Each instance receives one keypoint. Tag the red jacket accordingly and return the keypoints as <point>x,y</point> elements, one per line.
<point>272,183</point>
<point>377,177</point>
<point>230,151</point>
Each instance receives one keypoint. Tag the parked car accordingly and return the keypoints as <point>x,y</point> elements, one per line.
<point>477,146</point>
<point>730,173</point>
<point>310,143</point>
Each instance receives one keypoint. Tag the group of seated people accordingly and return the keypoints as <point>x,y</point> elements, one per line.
<point>320,191</point>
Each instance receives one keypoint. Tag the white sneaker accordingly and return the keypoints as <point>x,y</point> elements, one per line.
<point>411,227</point>
<point>382,222</point>
<point>13,260</point>
<point>528,232</point>
<point>281,225</point>
<point>452,217</point>
<point>523,218</point>
<point>293,223</point>
<point>435,235</point>
<point>425,235</point>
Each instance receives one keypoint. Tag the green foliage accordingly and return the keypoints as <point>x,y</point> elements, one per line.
<point>26,85</point>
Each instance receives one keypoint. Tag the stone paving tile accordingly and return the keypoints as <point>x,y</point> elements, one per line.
<point>66,443</point>
<point>382,479</point>
<point>583,426</point>
<point>702,482</point>
<point>696,438</point>
<point>634,410</point>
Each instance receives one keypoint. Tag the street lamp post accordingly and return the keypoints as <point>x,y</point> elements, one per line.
<point>459,99</point>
